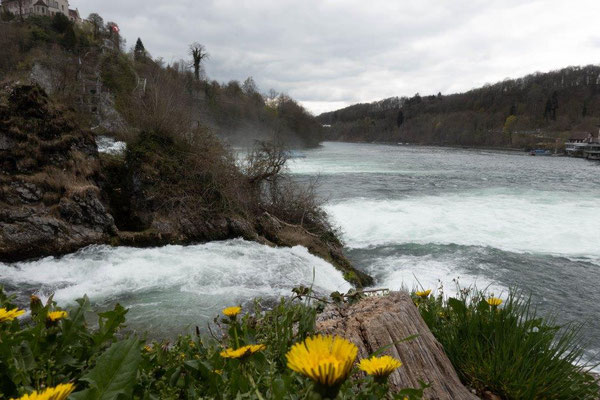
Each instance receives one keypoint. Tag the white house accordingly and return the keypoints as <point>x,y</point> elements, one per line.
<point>27,8</point>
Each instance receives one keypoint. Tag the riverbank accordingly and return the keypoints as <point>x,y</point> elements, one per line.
<point>59,195</point>
<point>267,352</point>
<point>441,145</point>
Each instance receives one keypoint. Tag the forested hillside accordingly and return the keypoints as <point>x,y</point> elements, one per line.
<point>89,64</point>
<point>531,111</point>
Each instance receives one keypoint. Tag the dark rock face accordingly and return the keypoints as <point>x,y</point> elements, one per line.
<point>49,199</point>
<point>330,249</point>
<point>57,196</point>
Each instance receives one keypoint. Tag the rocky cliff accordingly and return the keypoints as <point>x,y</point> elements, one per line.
<point>57,194</point>
<point>49,170</point>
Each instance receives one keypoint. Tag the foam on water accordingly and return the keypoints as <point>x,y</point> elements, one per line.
<point>537,222</point>
<point>195,281</point>
<point>109,145</point>
<point>399,271</point>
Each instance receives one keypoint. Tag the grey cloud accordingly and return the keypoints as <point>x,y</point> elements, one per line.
<point>328,53</point>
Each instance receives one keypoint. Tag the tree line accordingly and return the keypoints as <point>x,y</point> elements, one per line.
<point>531,111</point>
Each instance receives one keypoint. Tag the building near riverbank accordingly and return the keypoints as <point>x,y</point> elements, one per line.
<point>28,8</point>
<point>583,144</point>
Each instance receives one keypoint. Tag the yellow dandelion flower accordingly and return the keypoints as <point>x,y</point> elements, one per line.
<point>57,315</point>
<point>423,293</point>
<point>243,351</point>
<point>219,371</point>
<point>327,360</point>
<point>9,315</point>
<point>60,392</point>
<point>232,312</point>
<point>379,366</point>
<point>494,301</point>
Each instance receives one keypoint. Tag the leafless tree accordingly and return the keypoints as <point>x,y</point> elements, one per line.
<point>20,3</point>
<point>198,53</point>
<point>265,163</point>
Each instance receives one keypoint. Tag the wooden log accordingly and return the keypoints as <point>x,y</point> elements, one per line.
<point>376,322</point>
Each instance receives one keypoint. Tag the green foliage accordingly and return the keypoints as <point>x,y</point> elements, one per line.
<point>60,23</point>
<point>546,104</point>
<point>118,74</point>
<point>508,350</point>
<point>114,375</point>
<point>43,353</point>
<point>509,125</point>
<point>39,35</point>
<point>139,51</point>
<point>6,16</point>
<point>36,354</point>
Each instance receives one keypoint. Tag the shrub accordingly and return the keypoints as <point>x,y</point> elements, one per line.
<point>118,75</point>
<point>61,23</point>
<point>247,358</point>
<point>508,349</point>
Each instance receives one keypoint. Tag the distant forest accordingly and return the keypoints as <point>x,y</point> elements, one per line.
<point>538,110</point>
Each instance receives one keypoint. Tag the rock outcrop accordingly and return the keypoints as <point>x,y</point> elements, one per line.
<point>281,233</point>
<point>57,195</point>
<point>50,201</point>
<point>376,322</point>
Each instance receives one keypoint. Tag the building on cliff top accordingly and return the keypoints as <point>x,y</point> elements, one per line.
<point>27,8</point>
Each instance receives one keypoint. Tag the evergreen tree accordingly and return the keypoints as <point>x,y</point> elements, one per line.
<point>140,51</point>
<point>554,104</point>
<point>69,39</point>
<point>400,118</point>
<point>60,23</point>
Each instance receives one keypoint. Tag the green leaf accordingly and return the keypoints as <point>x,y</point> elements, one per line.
<point>73,325</point>
<point>483,306</point>
<point>26,360</point>
<point>114,375</point>
<point>109,323</point>
<point>279,388</point>
<point>458,306</point>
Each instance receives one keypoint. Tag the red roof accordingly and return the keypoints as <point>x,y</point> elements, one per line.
<point>579,135</point>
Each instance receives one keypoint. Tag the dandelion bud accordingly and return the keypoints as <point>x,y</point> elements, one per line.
<point>35,304</point>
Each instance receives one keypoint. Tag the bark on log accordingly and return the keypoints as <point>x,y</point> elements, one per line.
<point>375,322</point>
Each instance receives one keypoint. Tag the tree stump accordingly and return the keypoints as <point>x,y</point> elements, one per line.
<point>376,322</point>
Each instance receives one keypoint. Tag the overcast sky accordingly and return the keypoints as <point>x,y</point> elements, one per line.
<point>331,53</point>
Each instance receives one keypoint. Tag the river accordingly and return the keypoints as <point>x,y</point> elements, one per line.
<point>496,220</point>
<point>408,216</point>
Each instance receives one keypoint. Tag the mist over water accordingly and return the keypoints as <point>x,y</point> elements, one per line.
<point>430,216</point>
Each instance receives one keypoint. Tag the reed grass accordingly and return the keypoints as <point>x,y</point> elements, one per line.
<point>510,350</point>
